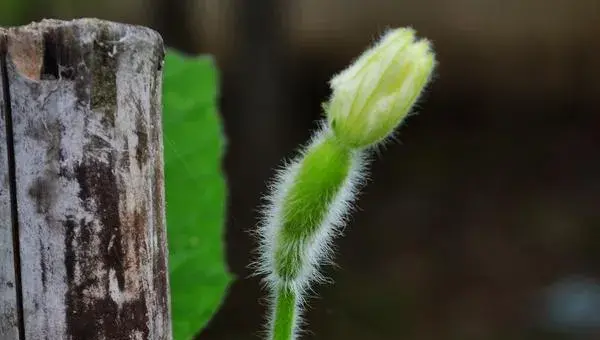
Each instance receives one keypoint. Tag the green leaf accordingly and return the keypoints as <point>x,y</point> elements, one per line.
<point>195,191</point>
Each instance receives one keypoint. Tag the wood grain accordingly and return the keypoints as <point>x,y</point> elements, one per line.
<point>8,291</point>
<point>85,97</point>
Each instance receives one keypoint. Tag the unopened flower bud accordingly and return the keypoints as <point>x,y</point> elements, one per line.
<point>373,95</point>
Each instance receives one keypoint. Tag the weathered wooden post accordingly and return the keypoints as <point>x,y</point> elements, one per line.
<point>83,252</point>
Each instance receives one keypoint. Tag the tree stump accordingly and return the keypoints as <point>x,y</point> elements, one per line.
<point>83,251</point>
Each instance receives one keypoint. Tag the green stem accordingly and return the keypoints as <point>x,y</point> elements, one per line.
<point>284,318</point>
<point>322,175</point>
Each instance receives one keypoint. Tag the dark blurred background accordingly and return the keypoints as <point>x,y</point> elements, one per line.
<point>483,222</point>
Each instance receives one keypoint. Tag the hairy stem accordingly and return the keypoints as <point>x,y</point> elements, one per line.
<point>322,175</point>
<point>315,196</point>
<point>285,314</point>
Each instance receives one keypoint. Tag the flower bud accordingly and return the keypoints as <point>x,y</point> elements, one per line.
<point>373,95</point>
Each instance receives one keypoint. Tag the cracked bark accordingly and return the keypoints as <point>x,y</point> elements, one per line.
<point>82,224</point>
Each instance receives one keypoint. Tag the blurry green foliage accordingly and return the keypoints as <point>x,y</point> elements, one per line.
<point>12,12</point>
<point>195,191</point>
